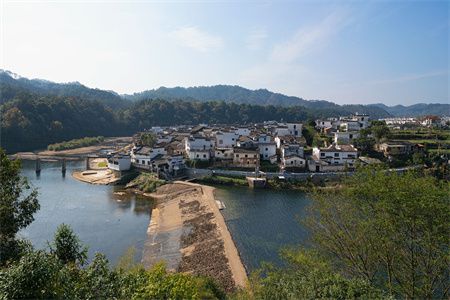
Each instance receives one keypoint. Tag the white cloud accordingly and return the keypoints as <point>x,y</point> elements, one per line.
<point>310,38</point>
<point>284,68</point>
<point>256,39</point>
<point>192,37</point>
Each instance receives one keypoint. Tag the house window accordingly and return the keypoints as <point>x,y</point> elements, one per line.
<point>248,162</point>
<point>246,155</point>
<point>301,162</point>
<point>322,154</point>
<point>204,155</point>
<point>198,156</point>
<point>220,141</point>
<point>267,149</point>
<point>351,136</point>
<point>148,162</point>
<point>336,155</point>
<point>237,155</point>
<point>292,162</point>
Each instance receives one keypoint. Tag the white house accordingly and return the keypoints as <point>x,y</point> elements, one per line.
<point>242,131</point>
<point>281,130</point>
<point>119,162</point>
<point>226,139</point>
<point>291,149</point>
<point>295,129</point>
<point>199,154</point>
<point>350,125</point>
<point>264,138</point>
<point>267,150</point>
<point>322,124</point>
<point>355,123</point>
<point>198,147</point>
<point>292,161</point>
<point>332,159</point>
<point>345,137</point>
<point>141,157</point>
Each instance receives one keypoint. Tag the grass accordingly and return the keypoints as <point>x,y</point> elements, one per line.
<point>146,182</point>
<point>223,180</point>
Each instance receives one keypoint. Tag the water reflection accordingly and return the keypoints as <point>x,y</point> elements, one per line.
<point>104,220</point>
<point>263,221</point>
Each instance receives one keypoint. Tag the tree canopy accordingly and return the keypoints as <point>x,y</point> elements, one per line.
<point>18,203</point>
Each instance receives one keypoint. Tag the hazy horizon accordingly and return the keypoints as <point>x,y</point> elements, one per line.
<point>343,52</point>
<point>186,87</point>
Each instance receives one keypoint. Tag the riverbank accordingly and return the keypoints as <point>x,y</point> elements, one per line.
<point>188,231</point>
<point>273,183</point>
<point>73,154</point>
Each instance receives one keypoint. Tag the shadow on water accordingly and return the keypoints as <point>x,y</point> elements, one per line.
<point>262,221</point>
<point>105,221</point>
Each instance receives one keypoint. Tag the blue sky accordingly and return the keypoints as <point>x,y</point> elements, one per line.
<point>394,52</point>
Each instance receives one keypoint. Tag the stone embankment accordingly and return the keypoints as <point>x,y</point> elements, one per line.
<point>189,233</point>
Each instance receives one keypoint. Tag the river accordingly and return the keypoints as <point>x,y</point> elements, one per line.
<point>260,221</point>
<point>106,222</point>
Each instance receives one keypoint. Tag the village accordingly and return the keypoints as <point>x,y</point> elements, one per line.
<point>277,147</point>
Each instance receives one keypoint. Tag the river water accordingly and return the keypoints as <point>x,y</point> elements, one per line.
<point>260,221</point>
<point>106,222</point>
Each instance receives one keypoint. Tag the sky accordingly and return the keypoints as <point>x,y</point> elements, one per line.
<point>392,52</point>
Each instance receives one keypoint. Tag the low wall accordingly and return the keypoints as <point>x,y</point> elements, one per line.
<point>198,173</point>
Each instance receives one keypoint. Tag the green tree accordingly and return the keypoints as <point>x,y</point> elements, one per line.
<point>18,203</point>
<point>389,229</point>
<point>147,139</point>
<point>306,276</point>
<point>379,130</point>
<point>67,246</point>
<point>37,275</point>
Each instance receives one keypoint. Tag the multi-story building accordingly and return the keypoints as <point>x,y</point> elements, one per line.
<point>246,157</point>
<point>333,158</point>
<point>199,147</point>
<point>226,139</point>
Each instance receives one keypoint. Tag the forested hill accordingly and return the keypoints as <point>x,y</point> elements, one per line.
<point>12,85</point>
<point>420,109</point>
<point>240,95</point>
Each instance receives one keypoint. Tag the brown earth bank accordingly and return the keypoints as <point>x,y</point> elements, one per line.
<point>108,143</point>
<point>189,233</point>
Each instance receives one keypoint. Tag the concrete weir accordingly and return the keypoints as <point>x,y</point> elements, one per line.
<point>189,233</point>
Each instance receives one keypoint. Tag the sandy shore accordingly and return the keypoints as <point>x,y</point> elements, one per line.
<point>104,176</point>
<point>188,231</point>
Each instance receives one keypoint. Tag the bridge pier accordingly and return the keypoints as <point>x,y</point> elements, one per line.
<point>38,166</point>
<point>63,167</point>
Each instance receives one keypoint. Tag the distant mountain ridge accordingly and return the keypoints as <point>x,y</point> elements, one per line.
<point>419,109</point>
<point>12,85</point>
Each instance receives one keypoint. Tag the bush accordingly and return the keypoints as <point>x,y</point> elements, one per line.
<point>77,143</point>
<point>146,182</point>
